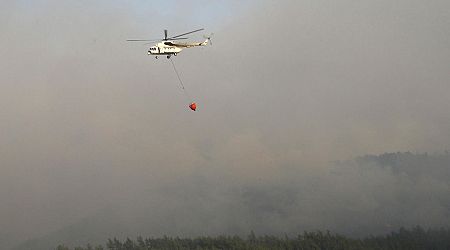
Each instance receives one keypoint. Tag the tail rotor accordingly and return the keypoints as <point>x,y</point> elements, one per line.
<point>208,38</point>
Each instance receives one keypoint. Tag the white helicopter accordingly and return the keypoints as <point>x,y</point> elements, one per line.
<point>168,47</point>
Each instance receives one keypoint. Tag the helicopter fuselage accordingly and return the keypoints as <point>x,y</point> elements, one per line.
<point>164,49</point>
<point>170,48</point>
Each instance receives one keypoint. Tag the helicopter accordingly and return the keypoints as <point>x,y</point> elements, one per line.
<point>169,46</point>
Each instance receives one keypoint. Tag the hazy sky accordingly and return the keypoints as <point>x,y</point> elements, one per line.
<point>87,119</point>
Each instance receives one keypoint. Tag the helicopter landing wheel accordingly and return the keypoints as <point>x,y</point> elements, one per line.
<point>168,57</point>
<point>175,54</point>
<point>156,57</point>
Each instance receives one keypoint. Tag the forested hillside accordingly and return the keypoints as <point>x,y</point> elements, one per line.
<point>416,238</point>
<point>367,195</point>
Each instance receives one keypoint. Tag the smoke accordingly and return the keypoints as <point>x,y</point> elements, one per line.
<point>90,122</point>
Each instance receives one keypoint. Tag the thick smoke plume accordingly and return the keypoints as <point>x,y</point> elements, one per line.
<point>94,130</point>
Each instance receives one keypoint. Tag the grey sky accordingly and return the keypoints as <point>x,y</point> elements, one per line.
<point>88,119</point>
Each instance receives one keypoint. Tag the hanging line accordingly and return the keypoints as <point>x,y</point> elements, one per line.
<point>181,82</point>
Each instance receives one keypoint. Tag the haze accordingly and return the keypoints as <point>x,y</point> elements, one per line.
<point>92,127</point>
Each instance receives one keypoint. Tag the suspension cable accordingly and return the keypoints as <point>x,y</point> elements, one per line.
<point>179,79</point>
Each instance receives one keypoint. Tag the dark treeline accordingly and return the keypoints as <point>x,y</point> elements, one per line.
<point>416,238</point>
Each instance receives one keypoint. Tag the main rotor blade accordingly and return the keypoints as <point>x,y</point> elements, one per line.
<point>143,40</point>
<point>185,33</point>
<point>179,38</point>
